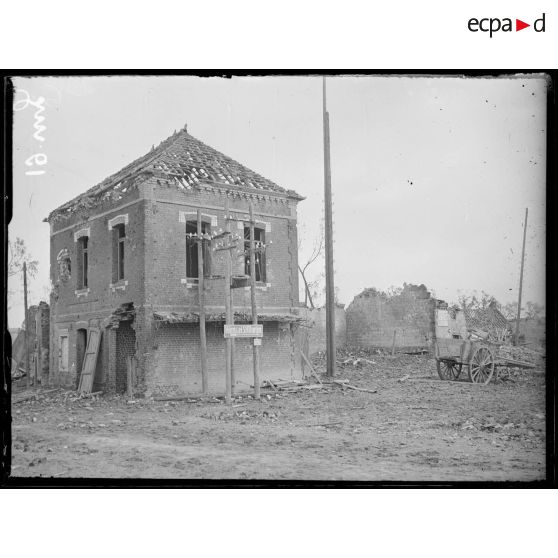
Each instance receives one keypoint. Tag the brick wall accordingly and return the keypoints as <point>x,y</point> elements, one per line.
<point>69,308</point>
<point>155,266</point>
<point>176,358</point>
<point>166,251</point>
<point>100,294</point>
<point>372,319</point>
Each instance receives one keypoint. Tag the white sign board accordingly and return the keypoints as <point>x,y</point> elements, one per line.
<point>243,330</point>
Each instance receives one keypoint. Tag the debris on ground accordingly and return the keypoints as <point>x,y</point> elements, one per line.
<point>299,429</point>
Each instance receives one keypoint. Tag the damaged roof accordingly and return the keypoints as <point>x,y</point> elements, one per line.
<point>239,317</point>
<point>184,160</point>
<point>485,318</point>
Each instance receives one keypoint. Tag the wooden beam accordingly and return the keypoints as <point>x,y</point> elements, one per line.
<point>26,333</point>
<point>228,309</point>
<point>129,377</point>
<point>312,369</point>
<point>516,340</point>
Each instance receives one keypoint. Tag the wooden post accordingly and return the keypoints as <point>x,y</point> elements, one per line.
<point>393,344</point>
<point>256,348</point>
<point>231,309</point>
<point>330,289</point>
<point>233,352</point>
<point>228,319</point>
<point>201,295</point>
<point>129,377</point>
<point>516,340</point>
<point>26,333</point>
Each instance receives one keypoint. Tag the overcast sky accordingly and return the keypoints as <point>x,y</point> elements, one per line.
<point>431,176</point>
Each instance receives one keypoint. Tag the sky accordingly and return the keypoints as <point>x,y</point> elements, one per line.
<point>430,175</point>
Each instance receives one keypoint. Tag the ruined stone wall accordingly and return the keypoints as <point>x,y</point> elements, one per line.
<point>372,319</point>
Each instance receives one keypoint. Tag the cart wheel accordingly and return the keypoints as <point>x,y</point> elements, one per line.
<point>448,369</point>
<point>481,367</point>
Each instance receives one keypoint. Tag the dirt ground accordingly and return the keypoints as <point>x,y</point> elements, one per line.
<point>415,428</point>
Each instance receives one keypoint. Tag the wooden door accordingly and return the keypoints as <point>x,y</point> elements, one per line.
<point>90,360</point>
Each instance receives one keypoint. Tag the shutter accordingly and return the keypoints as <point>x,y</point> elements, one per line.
<point>90,360</point>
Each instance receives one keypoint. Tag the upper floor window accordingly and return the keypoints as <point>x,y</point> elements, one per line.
<point>64,265</point>
<point>118,251</point>
<point>83,262</point>
<point>192,261</point>
<point>259,237</point>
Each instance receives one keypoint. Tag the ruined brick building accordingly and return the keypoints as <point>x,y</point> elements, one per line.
<point>405,319</point>
<point>123,260</point>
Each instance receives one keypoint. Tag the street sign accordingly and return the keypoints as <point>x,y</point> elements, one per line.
<point>243,330</point>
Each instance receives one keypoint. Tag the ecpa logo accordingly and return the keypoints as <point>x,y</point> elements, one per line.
<point>492,25</point>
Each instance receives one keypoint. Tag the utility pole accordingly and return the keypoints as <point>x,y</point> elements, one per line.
<point>201,294</point>
<point>330,289</point>
<point>255,347</point>
<point>27,368</point>
<point>228,305</point>
<point>521,279</point>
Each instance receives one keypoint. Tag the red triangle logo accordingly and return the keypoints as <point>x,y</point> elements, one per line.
<point>519,25</point>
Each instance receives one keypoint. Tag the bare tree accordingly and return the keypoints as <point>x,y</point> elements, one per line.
<point>17,255</point>
<point>317,250</point>
<point>475,301</point>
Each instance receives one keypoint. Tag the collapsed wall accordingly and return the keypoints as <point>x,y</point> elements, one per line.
<point>374,318</point>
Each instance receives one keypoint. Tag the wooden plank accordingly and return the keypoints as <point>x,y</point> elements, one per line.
<point>517,363</point>
<point>201,297</point>
<point>90,360</point>
<point>314,373</point>
<point>129,377</point>
<point>349,386</point>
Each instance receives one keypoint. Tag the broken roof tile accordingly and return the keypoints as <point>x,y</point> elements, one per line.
<point>179,155</point>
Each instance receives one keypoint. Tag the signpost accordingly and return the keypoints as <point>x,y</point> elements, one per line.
<point>232,330</point>
<point>255,348</point>
<point>228,305</point>
<point>243,330</point>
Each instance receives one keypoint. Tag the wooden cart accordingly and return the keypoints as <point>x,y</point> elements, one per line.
<point>478,356</point>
